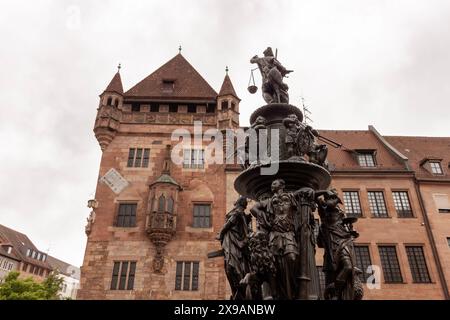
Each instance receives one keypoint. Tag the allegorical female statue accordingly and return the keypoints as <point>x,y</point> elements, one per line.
<point>272,71</point>
<point>233,238</point>
<point>336,236</point>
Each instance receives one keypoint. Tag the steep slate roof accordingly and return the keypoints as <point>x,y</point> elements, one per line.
<point>21,243</point>
<point>115,85</point>
<point>227,87</point>
<point>188,83</point>
<point>344,159</point>
<point>419,148</point>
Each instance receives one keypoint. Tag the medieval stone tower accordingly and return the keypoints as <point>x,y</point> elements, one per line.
<point>155,221</point>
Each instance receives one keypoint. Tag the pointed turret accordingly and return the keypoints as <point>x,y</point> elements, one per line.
<point>228,104</point>
<point>108,115</point>
<point>227,88</point>
<point>115,85</point>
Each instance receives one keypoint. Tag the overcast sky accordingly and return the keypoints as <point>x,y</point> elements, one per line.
<point>385,63</point>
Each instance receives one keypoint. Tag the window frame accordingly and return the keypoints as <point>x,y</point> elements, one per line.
<point>118,215</point>
<point>190,161</point>
<point>365,154</point>
<point>123,279</point>
<point>388,272</point>
<point>187,281</point>
<point>360,215</point>
<point>138,157</point>
<point>373,214</point>
<point>360,260</point>
<point>408,199</point>
<point>435,164</point>
<point>201,226</point>
<point>416,267</point>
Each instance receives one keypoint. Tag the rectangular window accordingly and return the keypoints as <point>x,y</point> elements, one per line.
<point>138,157</point>
<point>366,159</point>
<point>25,267</point>
<point>202,216</point>
<point>448,241</point>
<point>402,205</point>
<point>123,275</point>
<point>127,215</point>
<point>187,274</point>
<point>193,158</point>
<point>436,167</point>
<point>352,203</point>
<point>419,269</point>
<point>377,204</point>
<point>390,265</point>
<point>363,261</point>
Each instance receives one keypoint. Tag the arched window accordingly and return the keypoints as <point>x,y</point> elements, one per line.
<point>161,203</point>
<point>233,106</point>
<point>116,103</point>
<point>109,103</point>
<point>170,205</point>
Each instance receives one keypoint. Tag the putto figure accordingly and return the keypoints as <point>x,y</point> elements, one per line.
<point>336,236</point>
<point>233,238</point>
<point>274,90</point>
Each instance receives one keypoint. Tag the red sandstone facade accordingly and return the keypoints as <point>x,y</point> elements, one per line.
<point>162,254</point>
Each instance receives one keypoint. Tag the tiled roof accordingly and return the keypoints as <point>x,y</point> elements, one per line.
<point>416,149</point>
<point>63,267</point>
<point>188,83</point>
<point>227,88</point>
<point>115,85</point>
<point>344,158</point>
<point>21,243</point>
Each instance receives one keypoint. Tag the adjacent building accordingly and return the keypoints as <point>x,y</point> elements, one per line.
<point>70,274</point>
<point>21,255</point>
<point>154,221</point>
<point>18,253</point>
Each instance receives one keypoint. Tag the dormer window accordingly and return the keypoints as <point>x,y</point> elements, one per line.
<point>9,249</point>
<point>366,159</point>
<point>168,86</point>
<point>436,167</point>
